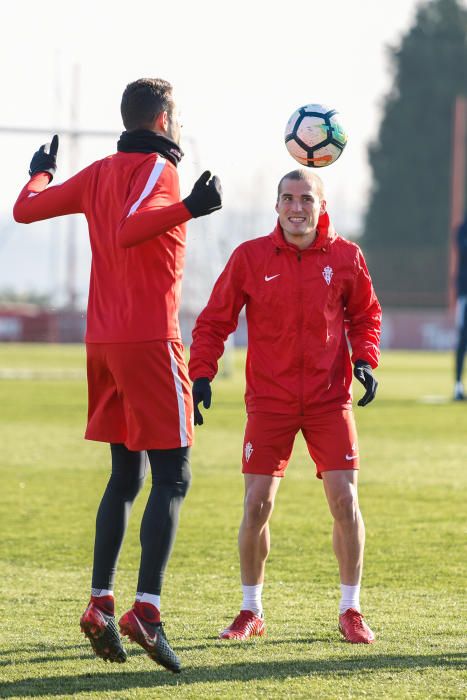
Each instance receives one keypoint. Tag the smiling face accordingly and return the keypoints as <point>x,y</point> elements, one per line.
<point>299,206</point>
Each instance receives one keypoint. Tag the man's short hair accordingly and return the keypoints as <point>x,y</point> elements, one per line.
<point>302,174</point>
<point>143,100</point>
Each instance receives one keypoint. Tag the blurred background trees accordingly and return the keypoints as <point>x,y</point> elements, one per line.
<point>406,228</point>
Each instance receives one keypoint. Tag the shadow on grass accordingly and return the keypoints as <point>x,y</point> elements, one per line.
<point>273,670</point>
<point>48,655</point>
<point>39,647</point>
<point>216,643</point>
<point>47,658</point>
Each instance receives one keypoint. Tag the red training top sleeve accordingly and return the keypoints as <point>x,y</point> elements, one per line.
<point>36,201</point>
<point>217,320</point>
<point>363,314</point>
<point>152,207</point>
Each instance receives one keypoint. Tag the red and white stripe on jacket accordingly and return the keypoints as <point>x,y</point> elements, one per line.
<point>136,228</point>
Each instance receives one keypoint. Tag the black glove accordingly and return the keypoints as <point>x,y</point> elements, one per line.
<point>363,372</point>
<point>45,159</point>
<point>201,392</point>
<point>206,195</point>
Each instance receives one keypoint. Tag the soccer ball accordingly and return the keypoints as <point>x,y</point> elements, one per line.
<point>314,136</point>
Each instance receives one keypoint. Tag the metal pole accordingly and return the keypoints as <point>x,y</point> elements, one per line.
<point>70,267</point>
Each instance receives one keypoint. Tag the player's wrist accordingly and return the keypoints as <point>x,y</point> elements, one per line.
<point>48,174</point>
<point>362,364</point>
<point>193,206</point>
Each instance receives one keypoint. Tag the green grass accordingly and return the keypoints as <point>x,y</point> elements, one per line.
<point>412,492</point>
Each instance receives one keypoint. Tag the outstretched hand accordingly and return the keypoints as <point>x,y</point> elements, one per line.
<point>201,392</point>
<point>45,159</point>
<point>363,372</point>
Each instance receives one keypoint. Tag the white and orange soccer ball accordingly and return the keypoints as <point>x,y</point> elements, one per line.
<point>314,135</point>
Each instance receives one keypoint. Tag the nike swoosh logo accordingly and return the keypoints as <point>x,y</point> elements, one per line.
<point>349,457</point>
<point>268,279</point>
<point>149,640</point>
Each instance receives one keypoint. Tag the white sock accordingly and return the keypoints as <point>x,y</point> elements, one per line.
<point>100,592</point>
<point>350,598</point>
<point>252,598</point>
<point>149,598</point>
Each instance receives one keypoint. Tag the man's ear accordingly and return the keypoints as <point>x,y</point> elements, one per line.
<point>322,208</point>
<point>161,122</point>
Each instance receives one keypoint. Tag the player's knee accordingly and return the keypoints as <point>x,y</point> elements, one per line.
<point>344,507</point>
<point>177,481</point>
<point>183,482</point>
<point>257,511</point>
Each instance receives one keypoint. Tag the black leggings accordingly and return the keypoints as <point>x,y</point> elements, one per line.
<point>170,482</point>
<point>461,345</point>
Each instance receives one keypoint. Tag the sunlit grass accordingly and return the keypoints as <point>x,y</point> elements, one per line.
<point>412,491</point>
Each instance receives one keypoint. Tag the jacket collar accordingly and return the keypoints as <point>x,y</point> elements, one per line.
<point>146,141</point>
<point>325,235</point>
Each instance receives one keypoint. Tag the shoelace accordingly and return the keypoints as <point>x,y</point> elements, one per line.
<point>243,621</point>
<point>356,620</point>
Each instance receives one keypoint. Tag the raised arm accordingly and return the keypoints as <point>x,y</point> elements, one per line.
<point>37,201</point>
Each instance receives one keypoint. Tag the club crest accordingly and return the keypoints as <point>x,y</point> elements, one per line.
<point>327,274</point>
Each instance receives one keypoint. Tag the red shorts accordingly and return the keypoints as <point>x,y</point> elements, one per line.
<point>331,439</point>
<point>139,394</point>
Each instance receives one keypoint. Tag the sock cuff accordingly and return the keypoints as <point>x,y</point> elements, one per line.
<point>350,589</point>
<point>257,588</point>
<point>101,592</point>
<point>350,598</point>
<point>252,598</point>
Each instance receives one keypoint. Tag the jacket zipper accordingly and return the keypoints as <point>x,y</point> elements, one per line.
<point>300,344</point>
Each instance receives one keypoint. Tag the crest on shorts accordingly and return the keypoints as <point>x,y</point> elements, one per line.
<point>327,274</point>
<point>248,450</point>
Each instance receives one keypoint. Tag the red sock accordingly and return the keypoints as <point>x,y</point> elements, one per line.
<point>106,603</point>
<point>147,612</point>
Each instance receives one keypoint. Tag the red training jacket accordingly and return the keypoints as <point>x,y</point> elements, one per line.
<point>296,305</point>
<point>132,205</point>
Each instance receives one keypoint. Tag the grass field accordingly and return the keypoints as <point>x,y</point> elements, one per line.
<point>412,491</point>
